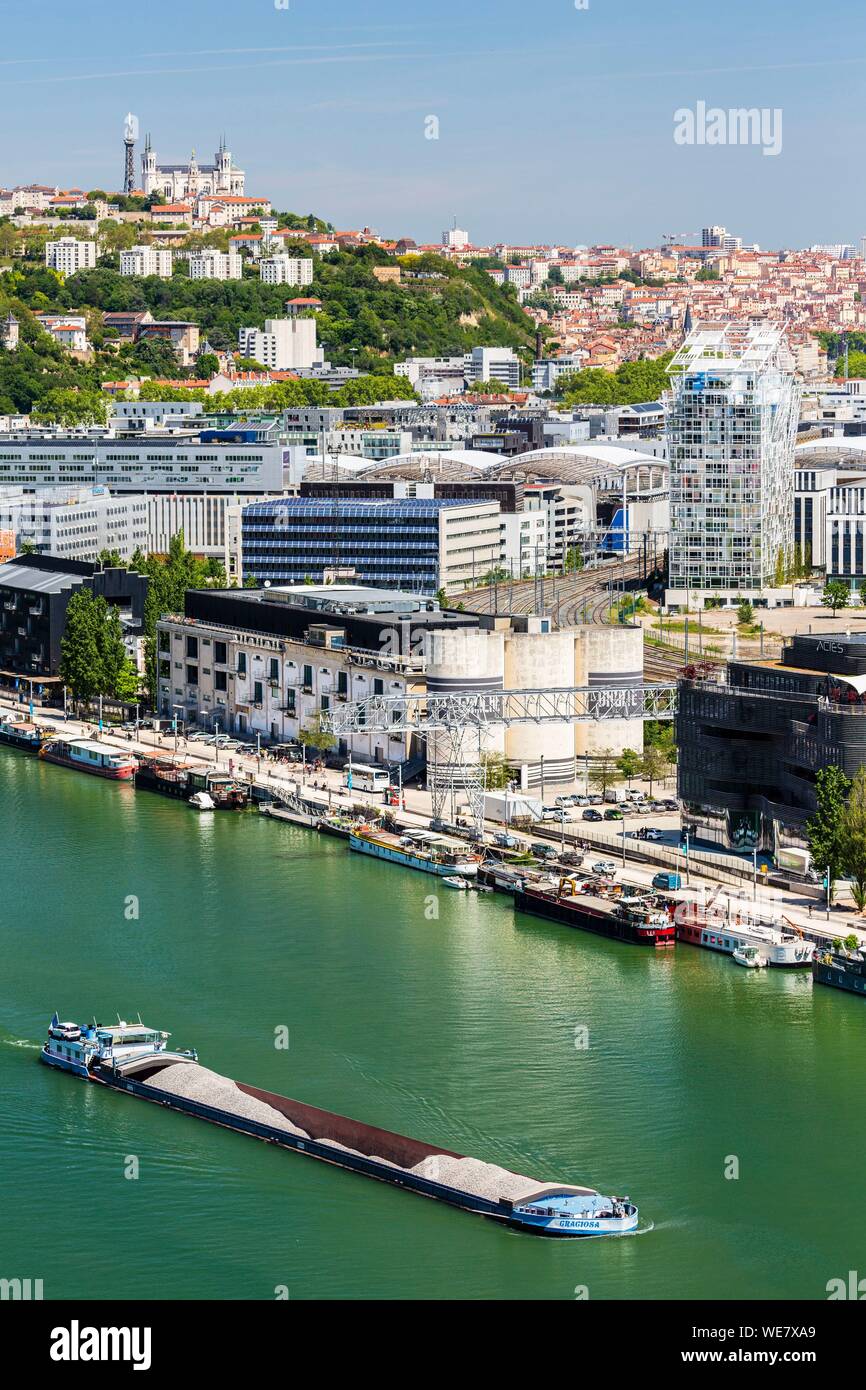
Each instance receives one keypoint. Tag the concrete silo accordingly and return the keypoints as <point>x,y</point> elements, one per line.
<point>609,657</point>
<point>540,661</point>
<point>463,660</point>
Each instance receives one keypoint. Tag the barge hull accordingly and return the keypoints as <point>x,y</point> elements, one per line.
<point>358,1163</point>
<point>600,925</point>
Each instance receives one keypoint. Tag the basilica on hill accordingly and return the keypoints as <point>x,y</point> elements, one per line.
<point>178,182</point>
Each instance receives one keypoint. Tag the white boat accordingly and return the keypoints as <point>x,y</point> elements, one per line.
<point>750,957</point>
<point>716,930</point>
<point>77,1047</point>
<point>576,1212</point>
<point>202,801</point>
<point>452,881</point>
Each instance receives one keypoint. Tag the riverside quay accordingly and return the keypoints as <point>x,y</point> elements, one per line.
<point>752,740</point>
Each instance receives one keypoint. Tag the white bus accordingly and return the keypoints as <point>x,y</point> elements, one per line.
<point>363,778</point>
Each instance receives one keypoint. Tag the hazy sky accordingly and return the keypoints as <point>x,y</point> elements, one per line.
<point>555,123</point>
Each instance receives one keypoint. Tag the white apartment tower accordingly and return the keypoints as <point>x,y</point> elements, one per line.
<point>732,416</point>
<point>216,265</point>
<point>146,260</point>
<point>286,270</point>
<point>69,255</point>
<point>285,345</point>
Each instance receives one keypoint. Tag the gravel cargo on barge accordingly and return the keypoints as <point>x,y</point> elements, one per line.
<point>177,1081</point>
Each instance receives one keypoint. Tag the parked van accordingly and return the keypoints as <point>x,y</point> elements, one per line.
<point>616,795</point>
<point>669,883</point>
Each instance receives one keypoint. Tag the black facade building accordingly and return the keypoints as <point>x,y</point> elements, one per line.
<point>751,745</point>
<point>34,594</point>
<point>508,493</point>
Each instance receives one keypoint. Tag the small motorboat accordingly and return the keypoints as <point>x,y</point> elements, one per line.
<point>454,881</point>
<point>750,957</point>
<point>202,801</point>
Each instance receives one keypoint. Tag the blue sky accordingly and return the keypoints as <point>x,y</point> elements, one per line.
<point>555,123</point>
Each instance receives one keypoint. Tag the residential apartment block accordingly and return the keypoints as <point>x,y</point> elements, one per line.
<point>286,270</point>
<point>69,255</point>
<point>146,260</point>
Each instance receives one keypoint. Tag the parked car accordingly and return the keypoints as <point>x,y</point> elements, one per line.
<point>580,800</point>
<point>613,814</point>
<point>563,801</point>
<point>542,851</point>
<point>646,832</point>
<point>505,841</point>
<point>554,813</point>
<point>595,798</point>
<point>604,868</point>
<point>592,815</point>
<point>671,805</point>
<point>572,857</point>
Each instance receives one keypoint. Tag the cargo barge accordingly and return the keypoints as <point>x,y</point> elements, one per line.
<point>841,970</point>
<point>134,1060</point>
<point>637,921</point>
<point>95,758</point>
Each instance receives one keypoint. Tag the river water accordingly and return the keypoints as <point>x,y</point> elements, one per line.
<point>496,1035</point>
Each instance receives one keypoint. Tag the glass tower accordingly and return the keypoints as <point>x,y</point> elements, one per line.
<point>732,414</point>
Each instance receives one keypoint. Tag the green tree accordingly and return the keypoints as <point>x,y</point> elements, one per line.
<point>605,771</point>
<point>745,613</point>
<point>629,763</point>
<point>71,408</point>
<point>655,764</point>
<point>80,657</point>
<point>825,830</point>
<point>113,658</point>
<point>573,559</point>
<point>836,595</point>
<point>853,838</point>
<point>315,735</point>
<point>781,571</point>
<point>496,771</point>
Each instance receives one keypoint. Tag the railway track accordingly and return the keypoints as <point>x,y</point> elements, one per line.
<point>587,597</point>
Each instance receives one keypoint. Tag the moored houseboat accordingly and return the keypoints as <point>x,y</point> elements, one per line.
<point>712,929</point>
<point>226,792</point>
<point>94,758</point>
<point>167,776</point>
<point>415,850</point>
<point>22,733</point>
<point>840,969</point>
<point>634,920</point>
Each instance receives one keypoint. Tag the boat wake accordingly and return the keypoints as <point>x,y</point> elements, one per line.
<point>20,1042</point>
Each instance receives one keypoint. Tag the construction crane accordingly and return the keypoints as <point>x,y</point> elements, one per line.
<point>458,722</point>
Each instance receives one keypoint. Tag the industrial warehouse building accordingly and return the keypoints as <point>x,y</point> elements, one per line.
<point>271,662</point>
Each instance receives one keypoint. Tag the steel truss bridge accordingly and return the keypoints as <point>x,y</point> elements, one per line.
<point>457,723</point>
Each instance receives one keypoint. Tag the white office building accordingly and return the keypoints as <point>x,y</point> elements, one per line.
<point>492,364</point>
<point>74,523</point>
<point>216,265</point>
<point>731,426</point>
<point>69,255</point>
<point>286,270</point>
<point>146,260</point>
<point>283,345</point>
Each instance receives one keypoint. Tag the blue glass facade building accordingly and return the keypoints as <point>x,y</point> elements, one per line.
<point>388,543</point>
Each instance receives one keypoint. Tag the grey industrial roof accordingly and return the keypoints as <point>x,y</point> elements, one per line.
<point>36,580</point>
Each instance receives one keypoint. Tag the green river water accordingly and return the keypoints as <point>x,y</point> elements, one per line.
<point>459,1031</point>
